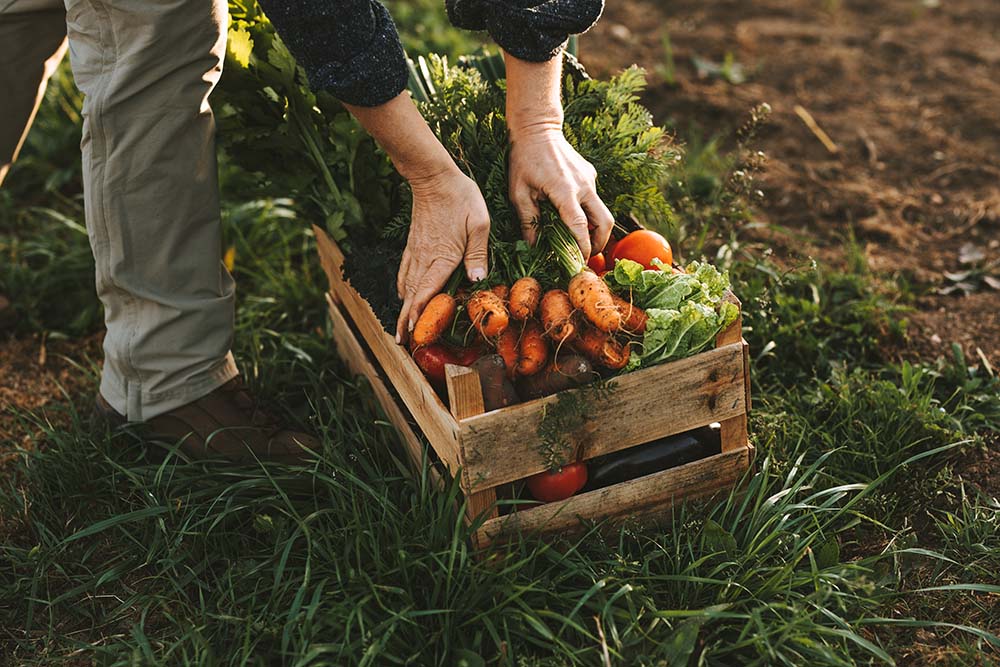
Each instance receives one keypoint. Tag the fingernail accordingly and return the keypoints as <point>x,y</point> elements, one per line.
<point>399,339</point>
<point>477,274</point>
<point>411,325</point>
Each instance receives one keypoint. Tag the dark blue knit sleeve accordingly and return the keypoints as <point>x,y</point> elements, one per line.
<point>533,30</point>
<point>348,47</point>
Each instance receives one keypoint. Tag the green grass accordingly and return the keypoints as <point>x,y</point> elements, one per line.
<point>112,552</point>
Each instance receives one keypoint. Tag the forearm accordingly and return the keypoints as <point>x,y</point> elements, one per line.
<point>534,95</point>
<point>404,135</point>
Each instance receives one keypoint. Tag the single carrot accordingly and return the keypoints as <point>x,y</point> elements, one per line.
<point>533,350</point>
<point>488,313</point>
<point>557,316</point>
<point>524,297</point>
<point>507,347</point>
<point>601,348</point>
<point>501,291</point>
<point>633,317</point>
<point>437,317</point>
<point>588,293</point>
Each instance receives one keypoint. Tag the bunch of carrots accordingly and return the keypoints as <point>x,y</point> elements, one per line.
<point>528,327</point>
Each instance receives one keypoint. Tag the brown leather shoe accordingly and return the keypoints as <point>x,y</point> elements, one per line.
<point>226,423</point>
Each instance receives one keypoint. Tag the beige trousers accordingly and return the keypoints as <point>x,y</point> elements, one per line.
<point>146,68</point>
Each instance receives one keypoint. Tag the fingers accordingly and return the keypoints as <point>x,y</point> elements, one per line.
<point>601,222</point>
<point>576,220</point>
<point>527,212</point>
<point>404,269</point>
<point>402,322</point>
<point>476,249</point>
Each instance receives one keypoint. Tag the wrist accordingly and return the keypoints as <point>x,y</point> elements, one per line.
<point>426,165</point>
<point>534,100</point>
<point>427,177</point>
<point>532,126</point>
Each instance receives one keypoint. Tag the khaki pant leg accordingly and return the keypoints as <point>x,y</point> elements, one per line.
<point>151,198</point>
<point>32,43</point>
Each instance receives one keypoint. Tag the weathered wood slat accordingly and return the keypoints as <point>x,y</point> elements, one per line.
<point>465,395</point>
<point>434,420</point>
<point>502,446</point>
<point>734,430</point>
<point>642,497</point>
<point>356,358</point>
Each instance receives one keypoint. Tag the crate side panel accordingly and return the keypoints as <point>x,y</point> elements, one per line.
<point>502,446</point>
<point>434,420</point>
<point>357,359</point>
<point>642,497</point>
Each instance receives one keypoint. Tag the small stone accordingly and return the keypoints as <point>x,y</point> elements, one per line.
<point>620,32</point>
<point>937,199</point>
<point>936,339</point>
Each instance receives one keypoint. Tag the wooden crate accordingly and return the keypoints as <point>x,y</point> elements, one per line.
<point>490,449</point>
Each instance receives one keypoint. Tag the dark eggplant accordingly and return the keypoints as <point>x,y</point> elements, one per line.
<point>653,457</point>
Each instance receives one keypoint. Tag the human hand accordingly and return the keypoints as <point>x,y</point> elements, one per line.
<point>544,165</point>
<point>450,224</point>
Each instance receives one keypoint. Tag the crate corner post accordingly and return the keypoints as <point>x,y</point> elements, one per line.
<point>465,396</point>
<point>734,429</point>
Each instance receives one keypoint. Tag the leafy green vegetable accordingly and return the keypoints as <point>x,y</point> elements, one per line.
<point>685,310</point>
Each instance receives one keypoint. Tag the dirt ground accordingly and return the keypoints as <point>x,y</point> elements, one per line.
<point>907,92</point>
<point>37,372</point>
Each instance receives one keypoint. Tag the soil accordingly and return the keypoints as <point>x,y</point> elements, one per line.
<point>907,93</point>
<point>37,374</point>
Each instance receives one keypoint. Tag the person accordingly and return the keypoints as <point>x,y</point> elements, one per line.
<point>151,198</point>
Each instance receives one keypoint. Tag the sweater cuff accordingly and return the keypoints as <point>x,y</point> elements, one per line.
<point>373,75</point>
<point>527,29</point>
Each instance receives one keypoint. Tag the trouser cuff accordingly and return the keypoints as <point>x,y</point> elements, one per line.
<point>128,398</point>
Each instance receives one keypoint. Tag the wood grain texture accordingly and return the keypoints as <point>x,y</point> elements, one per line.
<point>502,446</point>
<point>357,359</point>
<point>465,394</point>
<point>434,419</point>
<point>330,257</point>
<point>734,430</point>
<point>642,497</point>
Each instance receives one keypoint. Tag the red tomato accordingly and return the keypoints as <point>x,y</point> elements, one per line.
<point>643,246</point>
<point>550,486</point>
<point>432,359</point>
<point>597,263</point>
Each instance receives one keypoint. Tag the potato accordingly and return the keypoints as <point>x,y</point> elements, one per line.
<point>565,372</point>
<point>498,392</point>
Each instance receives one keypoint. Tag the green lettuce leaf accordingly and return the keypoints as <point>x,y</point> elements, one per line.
<point>685,310</point>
